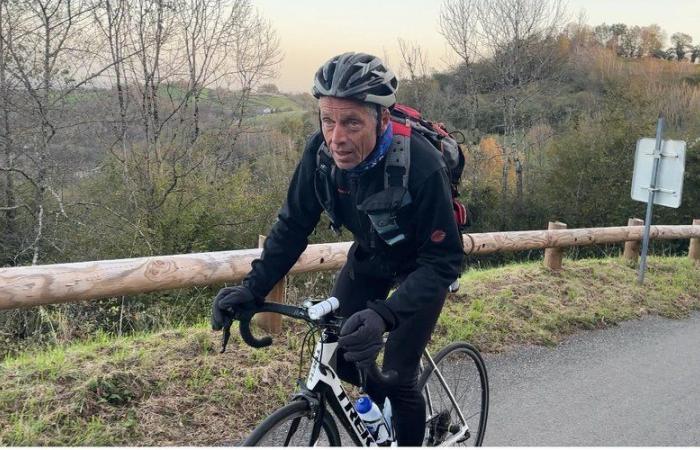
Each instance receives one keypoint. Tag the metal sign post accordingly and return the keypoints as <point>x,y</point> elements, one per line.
<point>657,179</point>
<point>650,202</point>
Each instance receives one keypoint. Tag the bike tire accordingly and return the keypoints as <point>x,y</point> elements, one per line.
<point>274,431</point>
<point>456,361</point>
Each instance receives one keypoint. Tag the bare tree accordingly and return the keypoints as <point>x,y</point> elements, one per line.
<point>112,20</point>
<point>165,56</point>
<point>9,207</point>
<point>517,41</point>
<point>52,56</point>
<point>415,64</point>
<point>256,55</point>
<point>458,25</point>
<point>458,22</point>
<point>208,29</point>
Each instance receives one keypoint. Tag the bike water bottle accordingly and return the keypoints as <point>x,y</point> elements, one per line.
<point>373,418</point>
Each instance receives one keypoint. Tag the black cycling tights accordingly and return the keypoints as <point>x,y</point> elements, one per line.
<point>402,353</point>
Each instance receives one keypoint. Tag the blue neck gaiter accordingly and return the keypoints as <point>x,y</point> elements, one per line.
<point>380,150</point>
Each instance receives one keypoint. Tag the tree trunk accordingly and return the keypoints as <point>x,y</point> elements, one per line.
<point>9,237</point>
<point>504,190</point>
<point>519,184</point>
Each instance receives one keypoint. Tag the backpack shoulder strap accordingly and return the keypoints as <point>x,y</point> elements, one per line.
<point>324,185</point>
<point>398,160</point>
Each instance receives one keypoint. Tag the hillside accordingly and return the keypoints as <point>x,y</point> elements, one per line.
<point>174,388</point>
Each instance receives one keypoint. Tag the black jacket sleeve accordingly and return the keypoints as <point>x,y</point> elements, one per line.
<point>439,254</point>
<point>296,220</point>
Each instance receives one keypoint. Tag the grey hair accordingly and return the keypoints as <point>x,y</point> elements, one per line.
<point>372,108</point>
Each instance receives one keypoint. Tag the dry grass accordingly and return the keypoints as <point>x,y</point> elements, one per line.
<point>173,388</point>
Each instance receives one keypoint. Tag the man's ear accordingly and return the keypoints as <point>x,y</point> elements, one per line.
<point>386,116</point>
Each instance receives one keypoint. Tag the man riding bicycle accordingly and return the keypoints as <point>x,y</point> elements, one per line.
<point>405,233</point>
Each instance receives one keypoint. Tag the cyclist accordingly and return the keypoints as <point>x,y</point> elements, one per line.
<point>403,237</point>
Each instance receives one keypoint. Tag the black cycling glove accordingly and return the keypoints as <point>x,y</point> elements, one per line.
<point>228,302</point>
<point>362,337</point>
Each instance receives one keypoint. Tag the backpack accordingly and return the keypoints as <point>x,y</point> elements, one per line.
<point>381,207</point>
<point>446,144</point>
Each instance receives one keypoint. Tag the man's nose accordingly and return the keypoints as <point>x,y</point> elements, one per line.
<point>338,135</point>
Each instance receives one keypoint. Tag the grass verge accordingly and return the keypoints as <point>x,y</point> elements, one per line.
<point>173,388</point>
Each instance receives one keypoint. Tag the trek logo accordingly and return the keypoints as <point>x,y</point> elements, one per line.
<point>355,419</point>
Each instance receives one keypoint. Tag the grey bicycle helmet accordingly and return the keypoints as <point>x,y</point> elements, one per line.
<point>356,75</point>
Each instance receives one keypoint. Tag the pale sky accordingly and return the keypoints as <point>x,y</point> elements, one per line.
<point>311,31</point>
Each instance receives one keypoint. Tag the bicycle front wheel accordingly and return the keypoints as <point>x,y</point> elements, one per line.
<point>291,426</point>
<point>465,380</point>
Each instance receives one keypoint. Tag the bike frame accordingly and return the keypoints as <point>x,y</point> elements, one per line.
<point>323,387</point>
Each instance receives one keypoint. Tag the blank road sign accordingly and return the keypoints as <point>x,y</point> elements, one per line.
<point>669,180</point>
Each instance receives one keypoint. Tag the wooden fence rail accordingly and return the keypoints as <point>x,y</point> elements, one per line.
<point>60,283</point>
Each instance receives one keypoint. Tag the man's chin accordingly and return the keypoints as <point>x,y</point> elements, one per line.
<point>345,165</point>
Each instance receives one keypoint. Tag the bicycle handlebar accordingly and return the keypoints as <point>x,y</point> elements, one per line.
<point>387,378</point>
<point>247,316</point>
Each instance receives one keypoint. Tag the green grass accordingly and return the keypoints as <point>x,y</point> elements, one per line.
<point>174,388</point>
<point>526,303</point>
<point>273,120</point>
<point>279,102</point>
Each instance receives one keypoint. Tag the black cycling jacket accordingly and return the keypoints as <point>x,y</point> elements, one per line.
<point>425,263</point>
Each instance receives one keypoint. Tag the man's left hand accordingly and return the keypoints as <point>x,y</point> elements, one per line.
<point>362,337</point>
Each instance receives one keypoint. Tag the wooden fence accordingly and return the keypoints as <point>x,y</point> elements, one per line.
<point>60,283</point>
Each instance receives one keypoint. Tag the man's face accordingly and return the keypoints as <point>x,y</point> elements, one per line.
<point>349,129</point>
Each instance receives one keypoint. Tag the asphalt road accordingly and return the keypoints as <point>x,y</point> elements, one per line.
<point>637,384</point>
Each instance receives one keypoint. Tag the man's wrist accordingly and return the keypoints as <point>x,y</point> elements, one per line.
<point>259,299</point>
<point>381,308</point>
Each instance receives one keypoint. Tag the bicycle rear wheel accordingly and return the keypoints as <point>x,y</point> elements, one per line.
<point>291,426</point>
<point>464,373</point>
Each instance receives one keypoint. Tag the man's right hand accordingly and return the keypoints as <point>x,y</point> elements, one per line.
<point>228,302</point>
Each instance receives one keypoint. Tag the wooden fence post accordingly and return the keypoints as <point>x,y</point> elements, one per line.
<point>553,255</point>
<point>271,322</point>
<point>631,253</point>
<point>694,249</point>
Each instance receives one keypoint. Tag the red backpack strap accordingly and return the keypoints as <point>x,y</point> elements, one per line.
<point>461,214</point>
<point>400,127</point>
